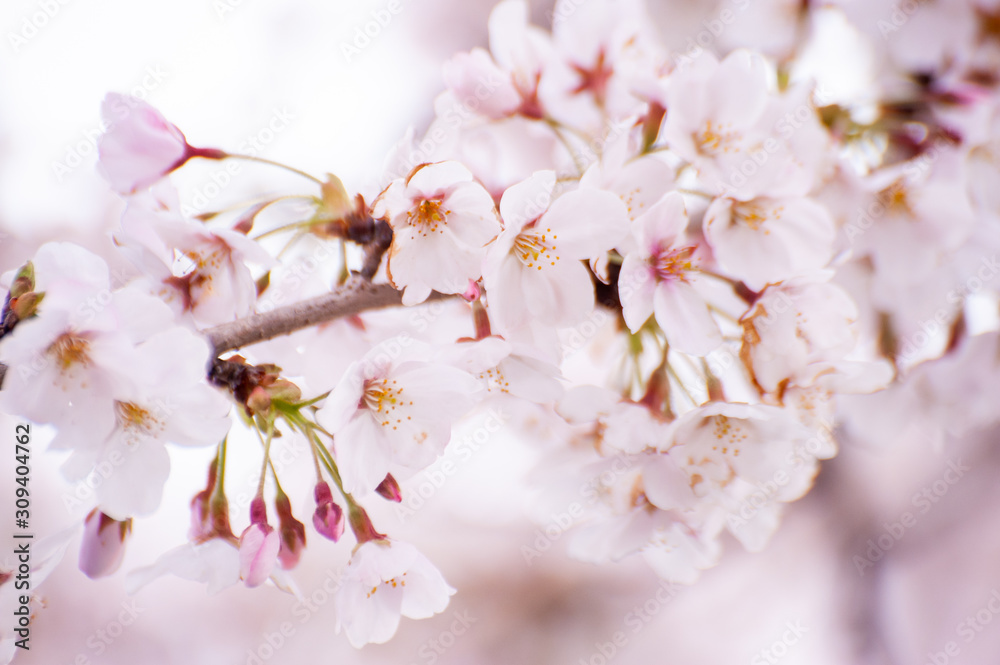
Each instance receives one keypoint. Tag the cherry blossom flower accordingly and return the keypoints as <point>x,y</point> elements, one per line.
<point>170,403</point>
<point>46,554</point>
<point>215,562</point>
<point>509,369</point>
<point>393,413</point>
<point>70,363</point>
<point>662,276</point>
<point>387,579</point>
<point>509,83</point>
<point>140,146</point>
<point>725,122</point>
<point>767,240</point>
<point>599,47</point>
<point>803,329</point>
<point>533,268</point>
<point>442,220</point>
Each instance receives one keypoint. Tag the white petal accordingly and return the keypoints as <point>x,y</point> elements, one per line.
<point>685,319</point>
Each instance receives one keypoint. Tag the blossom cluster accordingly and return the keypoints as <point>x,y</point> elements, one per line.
<point>762,259</point>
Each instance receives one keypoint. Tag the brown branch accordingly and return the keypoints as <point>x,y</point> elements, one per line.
<point>356,296</point>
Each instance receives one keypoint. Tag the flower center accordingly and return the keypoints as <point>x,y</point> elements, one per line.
<point>728,433</point>
<point>754,215</point>
<point>715,139</point>
<point>495,380</point>
<point>382,398</point>
<point>70,350</point>
<point>673,265</point>
<point>392,582</point>
<point>428,216</point>
<point>896,198</point>
<point>534,249</point>
<point>136,421</point>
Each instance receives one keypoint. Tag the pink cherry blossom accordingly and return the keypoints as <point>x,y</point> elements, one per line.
<point>661,277</point>
<point>140,146</point>
<point>259,546</point>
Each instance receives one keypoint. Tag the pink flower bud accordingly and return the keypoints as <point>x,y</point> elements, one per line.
<point>140,146</point>
<point>328,519</point>
<point>103,546</point>
<point>293,533</point>
<point>473,291</point>
<point>362,525</point>
<point>389,489</point>
<point>259,545</point>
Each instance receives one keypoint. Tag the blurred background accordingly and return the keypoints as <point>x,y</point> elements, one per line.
<point>277,77</point>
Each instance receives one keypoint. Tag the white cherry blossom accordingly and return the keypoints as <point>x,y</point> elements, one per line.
<point>386,580</point>
<point>391,411</point>
<point>534,269</point>
<point>442,220</point>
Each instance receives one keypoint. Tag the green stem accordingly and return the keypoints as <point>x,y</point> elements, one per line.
<point>219,492</point>
<point>267,453</point>
<point>262,160</point>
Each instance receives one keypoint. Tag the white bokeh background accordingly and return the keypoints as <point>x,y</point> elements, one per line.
<point>222,73</point>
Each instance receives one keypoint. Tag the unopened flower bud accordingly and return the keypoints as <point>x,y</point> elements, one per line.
<point>259,545</point>
<point>328,519</point>
<point>389,489</point>
<point>103,546</point>
<point>24,281</point>
<point>292,532</point>
<point>259,400</point>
